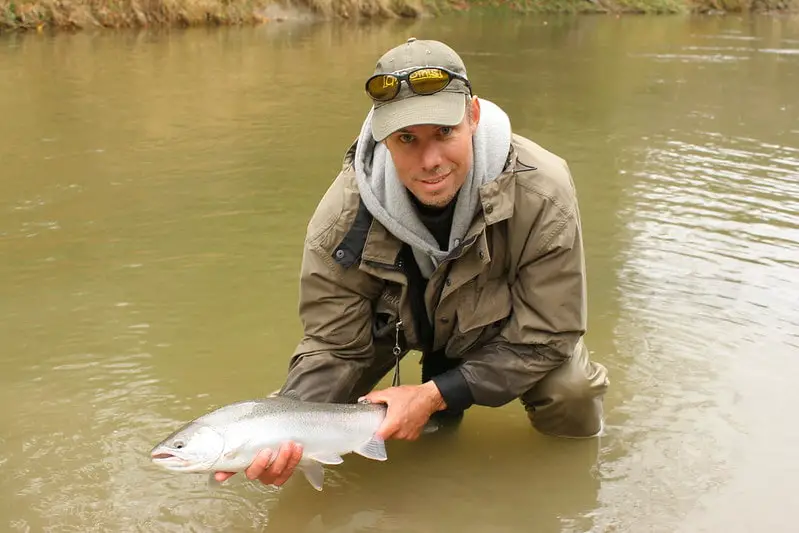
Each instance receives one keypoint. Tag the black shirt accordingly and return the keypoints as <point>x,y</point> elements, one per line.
<point>435,365</point>
<point>438,220</point>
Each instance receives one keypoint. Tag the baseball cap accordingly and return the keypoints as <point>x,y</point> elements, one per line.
<point>446,107</point>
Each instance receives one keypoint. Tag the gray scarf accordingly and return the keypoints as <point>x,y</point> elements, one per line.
<point>387,199</point>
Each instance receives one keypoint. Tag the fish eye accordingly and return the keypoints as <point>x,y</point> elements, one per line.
<point>179,444</point>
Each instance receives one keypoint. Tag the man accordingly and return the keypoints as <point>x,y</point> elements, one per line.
<point>446,233</point>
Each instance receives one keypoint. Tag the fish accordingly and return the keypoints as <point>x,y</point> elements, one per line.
<point>227,439</point>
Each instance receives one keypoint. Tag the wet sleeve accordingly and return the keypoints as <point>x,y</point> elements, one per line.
<point>454,389</point>
<point>547,320</point>
<point>336,347</point>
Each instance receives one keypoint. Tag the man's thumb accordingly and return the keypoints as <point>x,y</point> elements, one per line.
<point>373,397</point>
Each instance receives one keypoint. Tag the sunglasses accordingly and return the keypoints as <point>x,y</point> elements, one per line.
<point>423,81</point>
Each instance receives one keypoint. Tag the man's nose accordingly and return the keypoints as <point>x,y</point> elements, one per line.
<point>431,157</point>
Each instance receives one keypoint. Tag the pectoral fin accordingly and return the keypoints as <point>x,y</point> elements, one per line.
<point>314,472</point>
<point>233,450</point>
<point>373,449</point>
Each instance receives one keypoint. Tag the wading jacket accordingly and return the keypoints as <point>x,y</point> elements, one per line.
<point>509,302</point>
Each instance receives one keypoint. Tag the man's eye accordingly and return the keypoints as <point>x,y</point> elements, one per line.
<point>446,130</point>
<point>406,138</point>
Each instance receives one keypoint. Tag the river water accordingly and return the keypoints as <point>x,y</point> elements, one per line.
<point>154,191</point>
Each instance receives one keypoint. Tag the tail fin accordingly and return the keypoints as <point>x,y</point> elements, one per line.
<point>373,449</point>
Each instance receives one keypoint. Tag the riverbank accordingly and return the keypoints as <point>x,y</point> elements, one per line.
<point>79,14</point>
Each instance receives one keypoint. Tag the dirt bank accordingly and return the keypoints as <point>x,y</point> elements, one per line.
<point>78,14</point>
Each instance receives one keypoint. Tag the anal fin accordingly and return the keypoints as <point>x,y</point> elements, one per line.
<point>313,471</point>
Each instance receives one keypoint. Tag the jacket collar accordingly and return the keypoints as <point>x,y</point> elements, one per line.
<point>498,196</point>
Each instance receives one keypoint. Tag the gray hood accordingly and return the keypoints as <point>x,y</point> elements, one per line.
<point>387,199</point>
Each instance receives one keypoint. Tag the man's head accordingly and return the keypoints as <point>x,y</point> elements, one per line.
<point>425,113</point>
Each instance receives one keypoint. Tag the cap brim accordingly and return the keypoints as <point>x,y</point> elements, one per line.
<point>442,109</point>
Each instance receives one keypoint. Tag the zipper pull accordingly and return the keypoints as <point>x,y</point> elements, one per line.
<point>397,351</point>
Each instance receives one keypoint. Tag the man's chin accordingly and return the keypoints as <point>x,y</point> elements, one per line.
<point>436,202</point>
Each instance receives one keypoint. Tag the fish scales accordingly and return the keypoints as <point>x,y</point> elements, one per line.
<point>228,438</point>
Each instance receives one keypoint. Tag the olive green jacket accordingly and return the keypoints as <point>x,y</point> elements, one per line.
<point>510,301</point>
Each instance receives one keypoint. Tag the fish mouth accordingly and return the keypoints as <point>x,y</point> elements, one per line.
<point>168,460</point>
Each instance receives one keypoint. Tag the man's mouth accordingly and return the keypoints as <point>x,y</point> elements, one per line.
<point>437,179</point>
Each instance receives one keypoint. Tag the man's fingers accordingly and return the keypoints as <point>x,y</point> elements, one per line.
<point>222,476</point>
<point>376,397</point>
<point>389,427</point>
<point>259,464</point>
<point>412,435</point>
<point>279,465</point>
<point>294,460</point>
<point>385,431</point>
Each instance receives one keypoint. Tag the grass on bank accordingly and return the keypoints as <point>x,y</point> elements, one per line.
<point>142,13</point>
<point>640,6</point>
<point>75,14</point>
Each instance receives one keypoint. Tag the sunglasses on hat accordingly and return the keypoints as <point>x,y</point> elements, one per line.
<point>422,81</point>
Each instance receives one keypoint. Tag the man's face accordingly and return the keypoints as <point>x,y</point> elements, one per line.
<point>433,161</point>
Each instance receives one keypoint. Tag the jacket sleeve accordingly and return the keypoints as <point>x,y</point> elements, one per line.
<point>337,339</point>
<point>335,307</point>
<point>547,320</point>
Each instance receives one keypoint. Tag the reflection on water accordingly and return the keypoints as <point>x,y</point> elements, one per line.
<point>715,225</point>
<point>153,200</point>
<point>718,223</point>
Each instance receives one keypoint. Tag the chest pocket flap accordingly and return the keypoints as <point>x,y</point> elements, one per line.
<point>489,304</point>
<point>481,315</point>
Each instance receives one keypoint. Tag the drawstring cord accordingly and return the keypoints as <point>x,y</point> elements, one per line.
<point>397,351</point>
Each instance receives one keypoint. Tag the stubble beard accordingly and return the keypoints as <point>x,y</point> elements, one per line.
<point>442,200</point>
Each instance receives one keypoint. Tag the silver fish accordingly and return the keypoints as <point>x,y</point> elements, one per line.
<point>228,439</point>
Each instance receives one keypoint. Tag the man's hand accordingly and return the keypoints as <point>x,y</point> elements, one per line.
<point>409,409</point>
<point>270,468</point>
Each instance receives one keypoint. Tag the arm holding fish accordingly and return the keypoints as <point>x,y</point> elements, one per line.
<point>338,347</point>
<point>335,311</point>
<point>547,320</point>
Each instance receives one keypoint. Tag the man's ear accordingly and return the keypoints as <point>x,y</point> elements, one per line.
<point>474,113</point>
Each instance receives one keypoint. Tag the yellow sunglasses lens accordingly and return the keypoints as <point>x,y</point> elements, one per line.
<point>383,88</point>
<point>429,80</point>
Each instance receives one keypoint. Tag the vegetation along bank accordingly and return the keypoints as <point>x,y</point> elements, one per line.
<point>77,14</point>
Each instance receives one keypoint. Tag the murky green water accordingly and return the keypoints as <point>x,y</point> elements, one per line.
<point>154,190</point>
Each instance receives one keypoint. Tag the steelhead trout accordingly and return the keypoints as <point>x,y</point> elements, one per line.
<point>227,439</point>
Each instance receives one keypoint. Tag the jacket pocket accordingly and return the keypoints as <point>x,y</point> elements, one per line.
<point>386,313</point>
<point>481,314</point>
